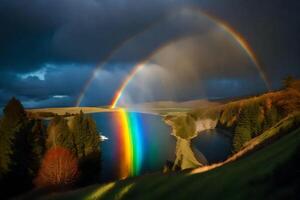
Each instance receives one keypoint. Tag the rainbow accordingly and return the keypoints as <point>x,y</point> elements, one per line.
<point>119,92</point>
<point>222,24</point>
<point>108,57</point>
<point>130,136</point>
<point>130,142</point>
<point>246,47</point>
<point>227,28</point>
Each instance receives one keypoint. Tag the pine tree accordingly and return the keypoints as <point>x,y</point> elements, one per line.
<point>254,112</point>
<point>87,142</point>
<point>13,122</point>
<point>242,132</point>
<point>248,126</point>
<point>85,135</point>
<point>92,138</point>
<point>6,151</point>
<point>59,134</point>
<point>90,163</point>
<point>16,156</point>
<point>78,134</point>
<point>37,138</point>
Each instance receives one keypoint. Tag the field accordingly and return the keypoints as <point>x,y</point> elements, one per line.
<point>157,108</point>
<point>70,110</point>
<point>46,112</point>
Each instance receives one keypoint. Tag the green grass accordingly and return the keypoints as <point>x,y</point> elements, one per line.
<point>251,177</point>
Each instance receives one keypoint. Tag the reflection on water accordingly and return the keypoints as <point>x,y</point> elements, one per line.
<point>158,144</point>
<point>215,145</point>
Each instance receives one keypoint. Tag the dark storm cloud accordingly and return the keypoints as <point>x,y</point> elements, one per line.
<point>73,35</point>
<point>57,81</point>
<point>34,32</point>
<point>271,27</point>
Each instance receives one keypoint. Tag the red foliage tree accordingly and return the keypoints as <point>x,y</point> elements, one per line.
<point>59,168</point>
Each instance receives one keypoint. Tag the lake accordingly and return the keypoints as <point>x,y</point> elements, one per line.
<point>158,144</point>
<point>215,145</point>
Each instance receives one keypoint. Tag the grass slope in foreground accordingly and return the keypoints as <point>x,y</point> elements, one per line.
<point>269,173</point>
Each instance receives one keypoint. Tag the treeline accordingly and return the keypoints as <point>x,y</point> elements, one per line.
<point>248,118</point>
<point>251,117</point>
<point>64,153</point>
<point>252,120</point>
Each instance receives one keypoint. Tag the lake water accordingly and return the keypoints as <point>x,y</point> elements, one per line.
<point>215,145</point>
<point>158,145</point>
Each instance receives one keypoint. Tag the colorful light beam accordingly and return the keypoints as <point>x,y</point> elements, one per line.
<point>110,56</point>
<point>118,94</point>
<point>130,142</point>
<point>224,25</point>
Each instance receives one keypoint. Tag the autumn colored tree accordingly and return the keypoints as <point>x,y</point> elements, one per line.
<point>59,168</point>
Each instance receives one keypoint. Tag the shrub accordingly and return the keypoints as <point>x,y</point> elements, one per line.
<point>59,168</point>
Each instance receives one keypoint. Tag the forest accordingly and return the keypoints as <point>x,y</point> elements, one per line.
<point>46,154</point>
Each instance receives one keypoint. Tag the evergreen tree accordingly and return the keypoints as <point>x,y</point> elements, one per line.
<point>90,164</point>
<point>92,137</point>
<point>271,117</point>
<point>85,135</point>
<point>15,150</point>
<point>6,151</point>
<point>255,115</point>
<point>87,142</point>
<point>14,121</point>
<point>59,134</point>
<point>37,138</point>
<point>249,124</point>
<point>242,132</point>
<point>78,134</point>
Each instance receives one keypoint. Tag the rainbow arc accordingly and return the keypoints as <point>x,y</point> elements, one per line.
<point>128,124</point>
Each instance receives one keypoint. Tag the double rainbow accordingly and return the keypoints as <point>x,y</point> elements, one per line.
<point>221,23</point>
<point>130,142</point>
<point>128,124</point>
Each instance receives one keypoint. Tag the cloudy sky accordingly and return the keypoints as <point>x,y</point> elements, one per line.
<point>50,48</point>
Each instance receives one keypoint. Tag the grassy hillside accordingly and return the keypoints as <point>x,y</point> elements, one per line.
<point>246,119</point>
<point>267,109</point>
<point>269,173</point>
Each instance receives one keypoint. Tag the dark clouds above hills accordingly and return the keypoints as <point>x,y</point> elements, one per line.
<point>63,40</point>
<point>35,32</point>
